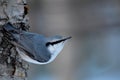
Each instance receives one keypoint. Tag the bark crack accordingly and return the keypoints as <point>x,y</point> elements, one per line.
<point>12,67</point>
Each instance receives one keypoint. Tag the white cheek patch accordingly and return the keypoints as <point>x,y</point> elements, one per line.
<point>58,47</point>
<point>55,50</point>
<point>51,49</point>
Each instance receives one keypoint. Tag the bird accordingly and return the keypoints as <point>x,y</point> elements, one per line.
<point>33,47</point>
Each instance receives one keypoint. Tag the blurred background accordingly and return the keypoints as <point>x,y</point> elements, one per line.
<point>94,50</point>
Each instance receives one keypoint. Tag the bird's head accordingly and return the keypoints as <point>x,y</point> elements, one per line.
<point>56,44</point>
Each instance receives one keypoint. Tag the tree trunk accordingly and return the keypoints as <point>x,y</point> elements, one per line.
<point>11,65</point>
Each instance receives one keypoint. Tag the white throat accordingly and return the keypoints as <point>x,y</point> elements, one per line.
<point>55,50</point>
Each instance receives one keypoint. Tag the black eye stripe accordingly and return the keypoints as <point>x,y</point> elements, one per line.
<point>52,43</point>
<point>56,42</point>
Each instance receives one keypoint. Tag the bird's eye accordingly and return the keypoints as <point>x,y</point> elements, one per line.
<point>48,43</point>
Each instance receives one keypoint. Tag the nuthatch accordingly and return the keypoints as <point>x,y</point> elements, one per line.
<point>33,47</point>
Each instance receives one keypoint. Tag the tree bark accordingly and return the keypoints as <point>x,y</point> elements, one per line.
<point>12,67</point>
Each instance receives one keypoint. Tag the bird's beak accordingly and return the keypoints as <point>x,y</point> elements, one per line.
<point>66,38</point>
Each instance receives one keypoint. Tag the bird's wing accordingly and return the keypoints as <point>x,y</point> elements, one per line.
<point>32,43</point>
<point>25,42</point>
